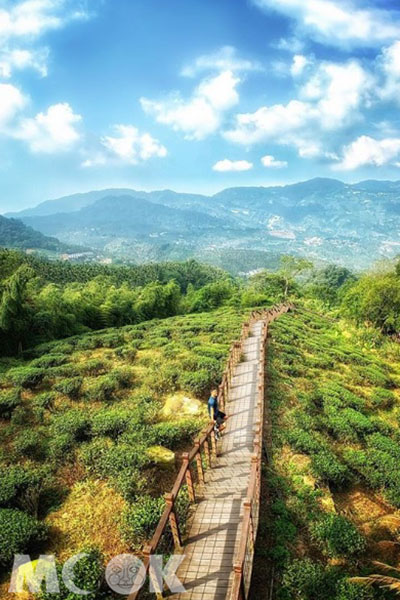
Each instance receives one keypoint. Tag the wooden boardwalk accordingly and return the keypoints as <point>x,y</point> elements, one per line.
<point>214,530</point>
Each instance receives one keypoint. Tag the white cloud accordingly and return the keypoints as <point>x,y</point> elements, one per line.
<point>18,59</point>
<point>22,23</point>
<point>389,63</point>
<point>35,17</point>
<point>11,101</point>
<point>298,65</point>
<point>225,165</point>
<point>331,100</point>
<point>224,59</point>
<point>271,162</point>
<point>202,113</point>
<point>366,150</point>
<point>342,23</point>
<point>52,131</point>
<point>129,146</point>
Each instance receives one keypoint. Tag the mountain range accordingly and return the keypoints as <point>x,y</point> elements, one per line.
<point>324,219</point>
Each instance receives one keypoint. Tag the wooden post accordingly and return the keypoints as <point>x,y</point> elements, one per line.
<point>213,447</point>
<point>189,478</point>
<point>173,521</point>
<point>199,463</point>
<point>207,453</point>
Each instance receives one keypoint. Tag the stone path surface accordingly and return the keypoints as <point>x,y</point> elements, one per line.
<point>214,530</point>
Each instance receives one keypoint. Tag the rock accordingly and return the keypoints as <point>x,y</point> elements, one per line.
<point>180,405</point>
<point>161,456</point>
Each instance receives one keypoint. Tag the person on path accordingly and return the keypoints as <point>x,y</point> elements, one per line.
<point>217,415</point>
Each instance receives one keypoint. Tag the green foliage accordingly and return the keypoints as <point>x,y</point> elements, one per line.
<point>19,532</point>
<point>88,575</point>
<point>111,422</point>
<point>337,536</point>
<point>172,435</point>
<point>103,388</point>
<point>9,400</point>
<point>30,444</point>
<point>307,580</point>
<point>141,520</point>
<point>26,377</point>
<point>70,387</point>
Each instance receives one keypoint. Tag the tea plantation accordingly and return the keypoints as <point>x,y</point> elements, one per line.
<point>333,483</point>
<point>87,426</point>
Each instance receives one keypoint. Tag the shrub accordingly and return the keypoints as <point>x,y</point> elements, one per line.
<point>346,590</point>
<point>23,487</point>
<point>130,484</point>
<point>29,443</point>
<point>141,520</point>
<point>18,532</point>
<point>337,537</point>
<point>67,370</point>
<point>92,367</point>
<point>382,398</point>
<point>60,446</point>
<point>45,401</point>
<point>126,352</point>
<point>198,382</point>
<point>88,574</point>
<point>9,400</point>
<point>49,360</point>
<point>26,377</point>
<point>73,422</point>
<point>327,467</point>
<point>172,435</point>
<point>123,376</point>
<point>70,387</point>
<point>111,422</point>
<point>307,580</point>
<point>106,459</point>
<point>103,388</point>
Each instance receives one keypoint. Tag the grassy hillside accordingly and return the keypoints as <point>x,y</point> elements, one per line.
<point>335,473</point>
<point>87,427</point>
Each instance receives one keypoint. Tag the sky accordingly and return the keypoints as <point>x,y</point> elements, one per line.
<point>195,95</point>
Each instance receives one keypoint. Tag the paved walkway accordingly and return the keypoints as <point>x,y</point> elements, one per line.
<point>214,532</point>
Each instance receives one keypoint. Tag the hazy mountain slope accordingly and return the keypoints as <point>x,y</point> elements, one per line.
<point>15,234</point>
<point>325,219</point>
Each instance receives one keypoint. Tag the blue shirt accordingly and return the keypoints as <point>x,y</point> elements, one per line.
<point>212,406</point>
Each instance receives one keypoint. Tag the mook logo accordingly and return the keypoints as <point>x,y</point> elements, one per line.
<point>124,574</point>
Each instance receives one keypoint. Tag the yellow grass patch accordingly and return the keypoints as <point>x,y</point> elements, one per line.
<point>88,517</point>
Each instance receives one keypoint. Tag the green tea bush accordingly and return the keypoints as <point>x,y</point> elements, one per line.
<point>111,422</point>
<point>199,382</point>
<point>20,487</point>
<point>93,366</point>
<point>308,580</point>
<point>382,398</point>
<point>70,387</point>
<point>374,376</point>
<point>103,388</point>
<point>172,435</point>
<point>140,520</point>
<point>303,441</point>
<point>126,352</point>
<point>130,483</point>
<point>123,376</point>
<point>337,536</point>
<point>19,532</point>
<point>87,343</point>
<point>30,444</point>
<point>346,590</point>
<point>26,377</point>
<point>49,360</point>
<point>67,370</point>
<point>74,422</point>
<point>327,467</point>
<point>45,401</point>
<point>60,447</point>
<point>106,459</point>
<point>88,575</point>
<point>9,400</point>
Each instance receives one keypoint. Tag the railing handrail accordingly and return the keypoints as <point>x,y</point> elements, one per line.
<point>202,444</point>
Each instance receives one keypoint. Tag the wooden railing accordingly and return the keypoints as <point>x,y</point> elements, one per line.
<point>243,564</point>
<point>204,454</point>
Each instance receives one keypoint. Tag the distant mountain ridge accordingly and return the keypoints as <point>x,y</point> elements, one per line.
<point>15,234</point>
<point>325,219</point>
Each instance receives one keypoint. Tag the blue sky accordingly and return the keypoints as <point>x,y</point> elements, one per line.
<point>195,95</point>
